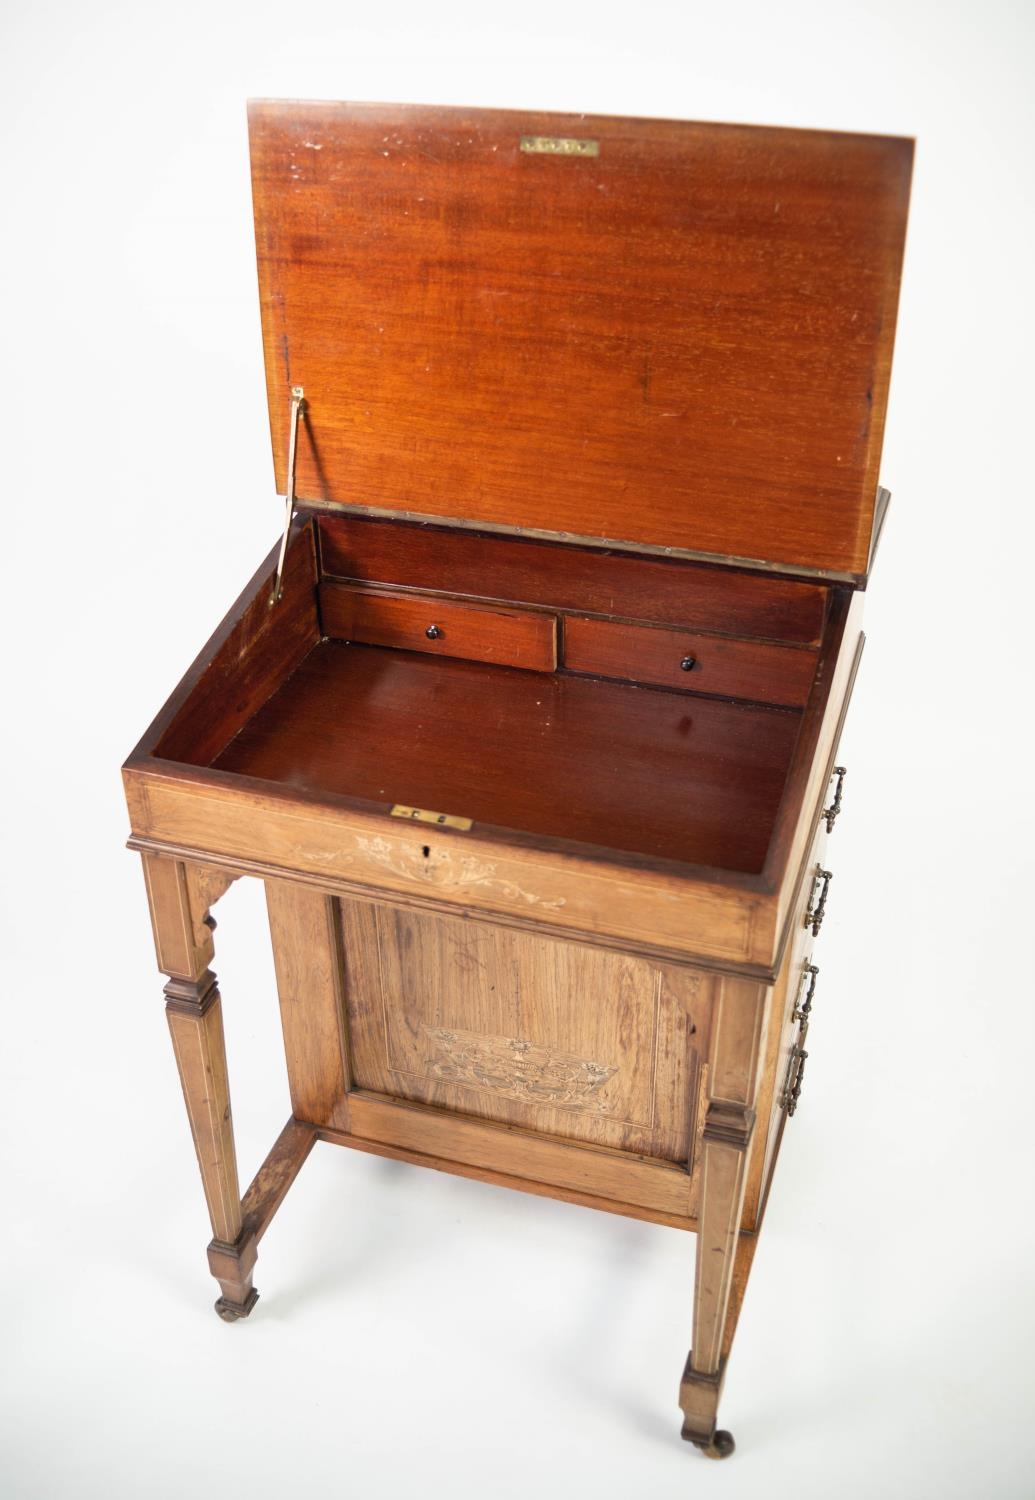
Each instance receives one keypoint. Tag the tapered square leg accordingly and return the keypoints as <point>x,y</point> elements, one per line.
<point>723,1252</point>
<point>180,896</point>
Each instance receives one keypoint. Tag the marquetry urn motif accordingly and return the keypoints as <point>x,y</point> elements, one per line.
<point>492,1022</point>
<point>516,1069</point>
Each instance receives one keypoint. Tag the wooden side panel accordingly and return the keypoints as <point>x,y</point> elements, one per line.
<point>816,748</point>
<point>307,954</point>
<point>782,1031</point>
<point>566,1039</point>
<point>246,661</point>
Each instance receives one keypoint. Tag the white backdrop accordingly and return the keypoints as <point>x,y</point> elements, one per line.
<point>422,1334</point>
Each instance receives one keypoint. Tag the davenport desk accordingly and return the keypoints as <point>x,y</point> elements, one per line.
<point>530,722</point>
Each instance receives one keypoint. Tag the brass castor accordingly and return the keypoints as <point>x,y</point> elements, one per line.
<point>231,1312</point>
<point>721,1445</point>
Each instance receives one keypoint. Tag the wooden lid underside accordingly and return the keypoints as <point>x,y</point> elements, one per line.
<point>681,341</point>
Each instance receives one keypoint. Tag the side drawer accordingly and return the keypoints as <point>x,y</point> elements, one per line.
<point>414,622</point>
<point>681,659</point>
<point>793,997</point>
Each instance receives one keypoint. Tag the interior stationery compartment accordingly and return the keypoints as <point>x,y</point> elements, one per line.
<point>570,696</point>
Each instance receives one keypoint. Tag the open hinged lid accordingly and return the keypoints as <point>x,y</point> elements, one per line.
<point>644,332</point>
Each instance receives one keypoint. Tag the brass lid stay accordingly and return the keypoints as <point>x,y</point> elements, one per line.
<point>297,412</point>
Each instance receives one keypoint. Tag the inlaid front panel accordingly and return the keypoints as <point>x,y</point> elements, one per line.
<point>558,1037</point>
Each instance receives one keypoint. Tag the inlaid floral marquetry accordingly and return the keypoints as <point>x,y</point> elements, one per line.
<point>495,1023</point>
<point>516,1069</point>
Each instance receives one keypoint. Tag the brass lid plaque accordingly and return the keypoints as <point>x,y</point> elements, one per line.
<point>559,145</point>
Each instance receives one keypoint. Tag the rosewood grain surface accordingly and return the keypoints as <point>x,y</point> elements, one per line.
<point>683,341</point>
<point>668,591</point>
<point>626,768</point>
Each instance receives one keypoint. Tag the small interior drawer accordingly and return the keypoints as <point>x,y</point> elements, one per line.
<point>415,622</point>
<point>680,659</point>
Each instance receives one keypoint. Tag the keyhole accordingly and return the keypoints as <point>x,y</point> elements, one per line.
<point>426,851</point>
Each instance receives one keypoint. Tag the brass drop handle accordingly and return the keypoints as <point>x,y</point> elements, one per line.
<point>833,812</point>
<point>803,1008</point>
<point>795,1074</point>
<point>817,908</point>
<point>433,633</point>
